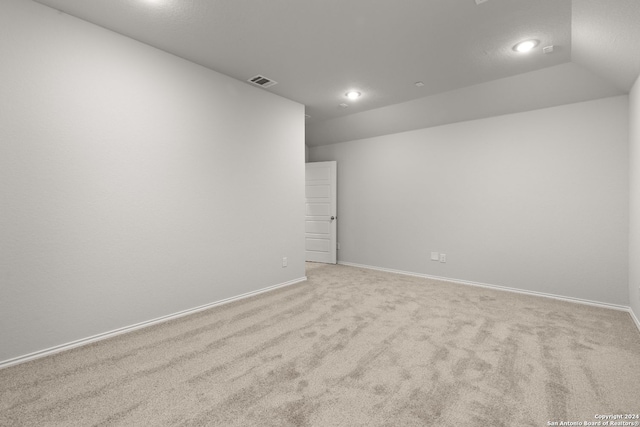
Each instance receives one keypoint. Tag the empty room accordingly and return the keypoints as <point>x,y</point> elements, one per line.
<point>319,213</point>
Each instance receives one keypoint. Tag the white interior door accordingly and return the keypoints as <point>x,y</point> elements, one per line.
<point>320,211</point>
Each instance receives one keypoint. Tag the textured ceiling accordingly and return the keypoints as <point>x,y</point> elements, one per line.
<point>606,39</point>
<point>558,85</point>
<point>317,50</point>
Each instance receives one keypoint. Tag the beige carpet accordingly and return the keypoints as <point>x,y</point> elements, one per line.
<point>349,347</point>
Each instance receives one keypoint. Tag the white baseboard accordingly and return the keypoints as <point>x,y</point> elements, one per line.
<point>502,288</point>
<point>131,328</point>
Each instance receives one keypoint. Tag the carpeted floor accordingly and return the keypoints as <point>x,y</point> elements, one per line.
<point>349,347</point>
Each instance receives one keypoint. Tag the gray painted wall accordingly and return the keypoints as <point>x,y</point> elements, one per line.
<point>634,191</point>
<point>133,184</point>
<point>535,200</point>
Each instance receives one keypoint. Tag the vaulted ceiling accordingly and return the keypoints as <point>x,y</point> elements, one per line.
<point>460,50</point>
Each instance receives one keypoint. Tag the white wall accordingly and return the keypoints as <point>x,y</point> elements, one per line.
<point>535,200</point>
<point>133,184</point>
<point>634,191</point>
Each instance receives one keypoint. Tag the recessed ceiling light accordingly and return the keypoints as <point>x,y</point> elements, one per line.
<point>419,84</point>
<point>525,46</point>
<point>352,94</point>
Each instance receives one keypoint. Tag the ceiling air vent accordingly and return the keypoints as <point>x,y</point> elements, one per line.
<point>262,81</point>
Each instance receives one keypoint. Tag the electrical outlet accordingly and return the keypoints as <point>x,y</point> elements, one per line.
<point>435,256</point>
<point>284,262</point>
<point>443,257</point>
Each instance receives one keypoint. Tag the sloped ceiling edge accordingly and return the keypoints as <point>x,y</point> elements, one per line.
<point>561,84</point>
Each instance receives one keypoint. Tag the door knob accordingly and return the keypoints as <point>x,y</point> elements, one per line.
<point>332,218</point>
